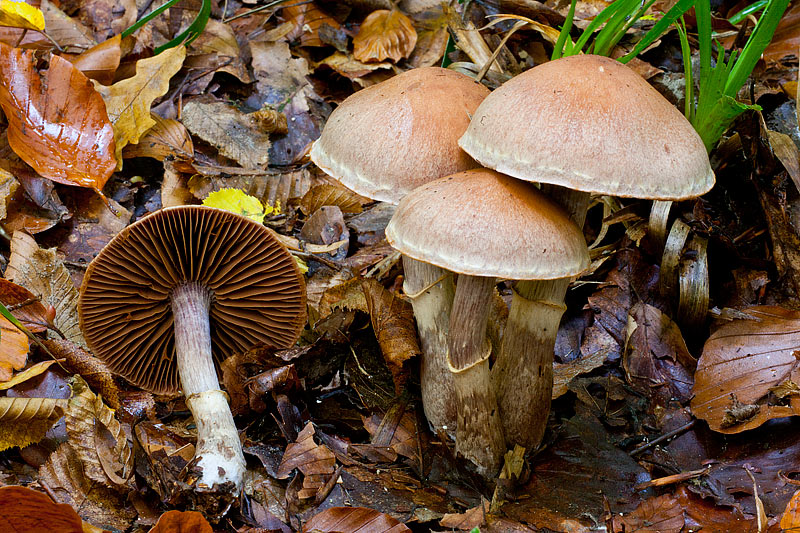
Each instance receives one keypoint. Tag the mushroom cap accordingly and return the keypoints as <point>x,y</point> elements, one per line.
<point>483,223</point>
<point>258,293</point>
<point>392,137</point>
<point>592,124</point>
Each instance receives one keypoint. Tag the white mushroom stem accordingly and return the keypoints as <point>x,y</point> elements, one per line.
<point>479,435</point>
<point>522,376</point>
<point>431,291</point>
<point>219,450</point>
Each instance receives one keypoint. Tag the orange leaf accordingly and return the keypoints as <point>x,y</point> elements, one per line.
<point>354,519</point>
<point>307,19</point>
<point>13,349</point>
<point>56,123</point>
<point>384,34</point>
<point>101,61</point>
<point>182,522</point>
<point>23,509</point>
<point>790,521</point>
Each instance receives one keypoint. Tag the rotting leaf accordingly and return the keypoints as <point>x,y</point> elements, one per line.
<point>399,435</point>
<point>746,358</point>
<point>353,520</point>
<point>68,138</point>
<point>790,521</point>
<point>166,138</point>
<point>23,509</point>
<point>92,369</point>
<point>97,437</point>
<point>384,34</point>
<point>128,101</point>
<point>315,461</point>
<point>24,421</point>
<point>662,514</point>
<point>182,522</point>
<point>233,133</point>
<point>329,194</point>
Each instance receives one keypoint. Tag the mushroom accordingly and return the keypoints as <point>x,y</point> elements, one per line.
<point>174,293</point>
<point>483,225</point>
<point>384,141</point>
<point>584,124</point>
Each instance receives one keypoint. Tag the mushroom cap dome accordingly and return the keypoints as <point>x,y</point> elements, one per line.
<point>387,139</point>
<point>591,124</point>
<point>257,291</point>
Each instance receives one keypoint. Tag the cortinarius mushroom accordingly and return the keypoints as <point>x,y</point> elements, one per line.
<point>182,289</point>
<point>384,141</point>
<point>585,124</point>
<point>483,225</point>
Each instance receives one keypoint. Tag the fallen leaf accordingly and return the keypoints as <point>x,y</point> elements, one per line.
<point>8,186</point>
<point>217,50</point>
<point>23,509</point>
<point>129,101</point>
<point>97,437</point>
<point>563,374</point>
<point>101,61</point>
<point>384,34</point>
<point>349,67</point>
<point>24,421</point>
<point>399,435</point>
<point>432,36</point>
<point>238,202</point>
<point>18,14</point>
<point>24,305</point>
<point>315,461</point>
<point>741,362</point>
<point>65,30</point>
<point>353,520</point>
<point>232,132</point>
<point>786,39</point>
<point>107,18</point>
<point>662,514</point>
<point>93,370</point>
<point>30,372</point>
<point>57,123</point>
<point>45,275</point>
<point>182,522</point>
<point>790,521</point>
<point>329,194</point>
<point>13,349</point>
<point>166,138</point>
<point>307,19</point>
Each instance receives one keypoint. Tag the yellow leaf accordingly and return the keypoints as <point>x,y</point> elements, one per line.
<point>20,15</point>
<point>25,420</point>
<point>384,34</point>
<point>238,202</point>
<point>25,375</point>
<point>128,101</point>
<point>301,265</point>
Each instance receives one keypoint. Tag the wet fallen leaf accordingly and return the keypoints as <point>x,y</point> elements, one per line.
<point>741,362</point>
<point>23,509</point>
<point>24,421</point>
<point>329,194</point>
<point>166,138</point>
<point>69,138</point>
<point>101,61</point>
<point>790,521</point>
<point>662,514</point>
<point>182,522</point>
<point>97,437</point>
<point>129,101</point>
<point>384,34</point>
<point>353,520</point>
<point>232,132</point>
<point>18,14</point>
<point>44,274</point>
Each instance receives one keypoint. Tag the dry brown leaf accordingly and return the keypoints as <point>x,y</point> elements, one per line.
<point>307,19</point>
<point>164,458</point>
<point>24,305</point>
<point>166,138</point>
<point>63,29</point>
<point>182,522</point>
<point>174,189</point>
<point>24,421</point>
<point>399,435</point>
<point>315,461</point>
<point>432,38</point>
<point>93,370</point>
<point>128,101</point>
<point>662,514</point>
<point>352,520</point>
<point>45,275</point>
<point>741,362</point>
<point>97,437</point>
<point>563,374</point>
<point>270,120</point>
<point>57,123</point>
<point>233,133</point>
<point>350,67</point>
<point>8,186</point>
<point>329,194</point>
<point>14,348</point>
<point>30,372</point>
<point>790,521</point>
<point>385,34</point>
<point>101,61</point>
<point>217,50</point>
<point>24,509</point>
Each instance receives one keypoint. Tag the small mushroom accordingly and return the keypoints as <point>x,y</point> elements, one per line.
<point>177,292</point>
<point>483,225</point>
<point>582,124</point>
<point>384,141</point>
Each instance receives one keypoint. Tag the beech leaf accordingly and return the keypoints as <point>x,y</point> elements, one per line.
<point>24,421</point>
<point>182,522</point>
<point>238,202</point>
<point>24,509</point>
<point>385,34</point>
<point>18,14</point>
<point>57,123</point>
<point>352,520</point>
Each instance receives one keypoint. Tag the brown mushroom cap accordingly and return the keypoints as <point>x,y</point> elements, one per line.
<point>390,138</point>
<point>592,124</point>
<point>482,223</point>
<point>258,293</point>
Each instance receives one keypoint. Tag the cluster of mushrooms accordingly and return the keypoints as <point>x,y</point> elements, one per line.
<point>461,163</point>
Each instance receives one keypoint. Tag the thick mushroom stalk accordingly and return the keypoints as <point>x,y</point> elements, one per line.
<point>431,291</point>
<point>218,454</point>
<point>479,434</point>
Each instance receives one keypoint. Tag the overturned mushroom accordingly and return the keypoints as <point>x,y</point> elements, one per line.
<point>178,291</point>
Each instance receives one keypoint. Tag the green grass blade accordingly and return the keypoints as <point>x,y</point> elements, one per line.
<point>598,21</point>
<point>147,18</point>
<point>659,28</point>
<point>749,10</point>
<point>686,52</point>
<point>563,37</point>
<point>192,32</point>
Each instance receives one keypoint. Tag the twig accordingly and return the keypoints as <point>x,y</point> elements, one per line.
<point>662,438</point>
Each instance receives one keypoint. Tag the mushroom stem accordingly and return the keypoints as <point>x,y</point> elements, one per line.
<point>431,291</point>
<point>219,450</point>
<point>522,376</point>
<point>479,434</point>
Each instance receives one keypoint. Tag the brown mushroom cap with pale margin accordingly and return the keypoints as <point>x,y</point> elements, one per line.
<point>257,291</point>
<point>387,139</point>
<point>590,123</point>
<point>483,223</point>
